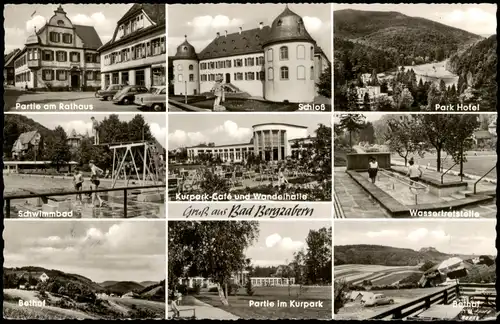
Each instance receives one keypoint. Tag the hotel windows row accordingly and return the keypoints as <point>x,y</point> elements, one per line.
<point>62,75</point>
<point>23,77</point>
<point>250,61</point>
<point>152,48</point>
<point>55,37</point>
<point>284,55</point>
<point>238,76</point>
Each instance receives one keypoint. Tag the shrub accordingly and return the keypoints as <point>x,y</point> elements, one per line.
<point>213,289</point>
<point>249,288</point>
<point>183,289</point>
<point>197,288</point>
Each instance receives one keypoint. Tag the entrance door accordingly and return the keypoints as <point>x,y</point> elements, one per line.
<point>228,77</point>
<point>75,80</point>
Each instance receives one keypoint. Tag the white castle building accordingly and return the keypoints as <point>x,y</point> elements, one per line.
<point>279,63</point>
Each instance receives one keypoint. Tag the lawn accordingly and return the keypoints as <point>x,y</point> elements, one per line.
<point>239,304</point>
<point>233,104</point>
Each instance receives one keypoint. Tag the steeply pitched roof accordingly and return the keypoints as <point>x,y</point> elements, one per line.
<point>26,138</point>
<point>249,41</point>
<point>9,58</point>
<point>89,36</point>
<point>156,12</point>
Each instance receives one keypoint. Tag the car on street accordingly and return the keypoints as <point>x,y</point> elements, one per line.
<point>154,100</point>
<point>378,300</point>
<point>109,92</point>
<point>127,94</point>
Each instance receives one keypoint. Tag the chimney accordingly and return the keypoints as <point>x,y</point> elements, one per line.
<point>261,25</point>
<point>226,32</point>
<point>218,34</point>
<point>241,29</point>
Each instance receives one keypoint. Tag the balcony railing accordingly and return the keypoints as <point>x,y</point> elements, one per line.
<point>485,294</point>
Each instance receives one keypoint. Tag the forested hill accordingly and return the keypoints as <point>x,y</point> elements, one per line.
<point>410,37</point>
<point>480,60</point>
<point>387,255</point>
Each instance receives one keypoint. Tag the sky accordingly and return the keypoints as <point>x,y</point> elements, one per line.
<point>20,20</point>
<point>448,236</point>
<point>279,240</point>
<point>194,129</point>
<point>98,250</point>
<point>81,123</point>
<point>480,19</point>
<point>201,22</point>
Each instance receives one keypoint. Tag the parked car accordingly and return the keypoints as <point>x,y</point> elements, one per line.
<point>127,94</point>
<point>109,92</point>
<point>155,99</point>
<point>378,300</point>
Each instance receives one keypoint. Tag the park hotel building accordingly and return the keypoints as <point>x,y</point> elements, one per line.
<point>270,142</point>
<point>280,63</point>
<point>60,55</point>
<point>136,54</point>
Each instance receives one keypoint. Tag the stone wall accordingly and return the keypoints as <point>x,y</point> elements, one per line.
<point>359,161</point>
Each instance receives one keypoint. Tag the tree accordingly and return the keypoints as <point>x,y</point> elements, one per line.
<point>459,138</point>
<point>319,256</point>
<point>403,98</point>
<point>367,134</point>
<point>325,83</point>
<point>322,151</point>
<point>439,130</point>
<point>403,137</point>
<point>340,298</point>
<point>352,123</point>
<point>58,150</point>
<point>212,250</point>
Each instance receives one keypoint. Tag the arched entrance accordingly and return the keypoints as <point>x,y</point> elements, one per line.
<point>74,79</point>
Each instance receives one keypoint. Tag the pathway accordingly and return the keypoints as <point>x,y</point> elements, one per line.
<point>355,201</point>
<point>203,311</point>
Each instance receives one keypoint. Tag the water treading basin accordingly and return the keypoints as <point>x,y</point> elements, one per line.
<point>400,189</point>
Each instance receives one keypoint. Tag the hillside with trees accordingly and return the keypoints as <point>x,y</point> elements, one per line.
<point>409,37</point>
<point>388,255</point>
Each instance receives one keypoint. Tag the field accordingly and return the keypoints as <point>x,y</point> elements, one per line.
<point>379,275</point>
<point>111,308</point>
<point>239,304</point>
<point>355,311</point>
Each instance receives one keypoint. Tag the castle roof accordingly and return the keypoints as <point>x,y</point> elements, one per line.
<point>185,51</point>
<point>288,26</point>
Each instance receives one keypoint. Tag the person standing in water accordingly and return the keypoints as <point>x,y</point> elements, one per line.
<point>414,171</point>
<point>372,169</point>
<point>95,131</point>
<point>95,171</point>
<point>78,183</point>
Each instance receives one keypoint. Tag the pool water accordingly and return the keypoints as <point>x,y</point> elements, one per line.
<point>402,192</point>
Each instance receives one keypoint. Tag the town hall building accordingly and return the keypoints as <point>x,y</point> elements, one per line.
<point>60,55</point>
<point>279,63</point>
<point>136,54</point>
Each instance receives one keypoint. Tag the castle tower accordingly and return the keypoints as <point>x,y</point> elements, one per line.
<point>289,60</point>
<point>186,70</point>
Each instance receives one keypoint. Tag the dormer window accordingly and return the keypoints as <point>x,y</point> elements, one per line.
<point>60,23</point>
<point>184,48</point>
<point>232,41</point>
<point>280,22</point>
<point>257,36</point>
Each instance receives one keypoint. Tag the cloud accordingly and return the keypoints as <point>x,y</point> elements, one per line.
<point>232,130</point>
<point>474,20</point>
<point>313,24</point>
<point>160,133</point>
<point>37,21</point>
<point>203,25</point>
<point>180,138</point>
<point>418,234</point>
<point>286,243</point>
<point>383,233</point>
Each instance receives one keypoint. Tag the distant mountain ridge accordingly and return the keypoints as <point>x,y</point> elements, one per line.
<point>394,31</point>
<point>389,256</point>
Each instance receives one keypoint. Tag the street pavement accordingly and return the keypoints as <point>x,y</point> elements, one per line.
<point>87,100</point>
